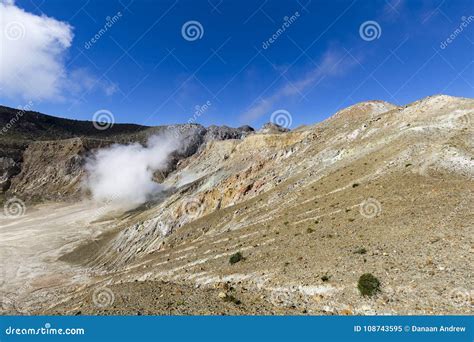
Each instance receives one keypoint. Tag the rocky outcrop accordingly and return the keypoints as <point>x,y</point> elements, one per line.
<point>46,162</point>
<point>8,168</point>
<point>375,189</point>
<point>10,162</point>
<point>369,142</point>
<point>271,127</point>
<point>53,170</point>
<point>224,133</point>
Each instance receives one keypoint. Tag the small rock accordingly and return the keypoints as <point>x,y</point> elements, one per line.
<point>318,297</point>
<point>346,312</point>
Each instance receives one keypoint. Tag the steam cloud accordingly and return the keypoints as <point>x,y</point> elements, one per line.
<point>123,174</point>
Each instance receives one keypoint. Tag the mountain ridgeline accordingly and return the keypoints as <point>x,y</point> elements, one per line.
<point>31,143</point>
<point>368,212</point>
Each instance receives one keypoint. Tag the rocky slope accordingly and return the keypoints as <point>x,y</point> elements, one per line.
<point>288,221</point>
<point>42,157</point>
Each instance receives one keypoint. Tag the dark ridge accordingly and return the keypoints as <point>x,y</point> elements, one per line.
<point>16,124</point>
<point>22,130</point>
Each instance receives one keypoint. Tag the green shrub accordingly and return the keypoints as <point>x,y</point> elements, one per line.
<point>325,278</point>
<point>232,299</point>
<point>361,250</point>
<point>235,258</point>
<point>368,285</point>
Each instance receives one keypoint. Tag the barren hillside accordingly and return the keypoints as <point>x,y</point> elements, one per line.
<point>265,222</point>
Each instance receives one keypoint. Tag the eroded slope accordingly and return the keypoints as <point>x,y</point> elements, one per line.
<point>375,189</point>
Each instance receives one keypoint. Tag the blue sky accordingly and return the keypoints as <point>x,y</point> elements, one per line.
<point>143,70</point>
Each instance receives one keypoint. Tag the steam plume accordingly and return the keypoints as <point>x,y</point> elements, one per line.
<point>123,174</point>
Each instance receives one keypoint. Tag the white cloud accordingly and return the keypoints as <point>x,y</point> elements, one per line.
<point>32,58</point>
<point>332,63</point>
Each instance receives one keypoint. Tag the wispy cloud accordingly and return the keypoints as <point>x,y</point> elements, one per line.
<point>334,62</point>
<point>82,81</point>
